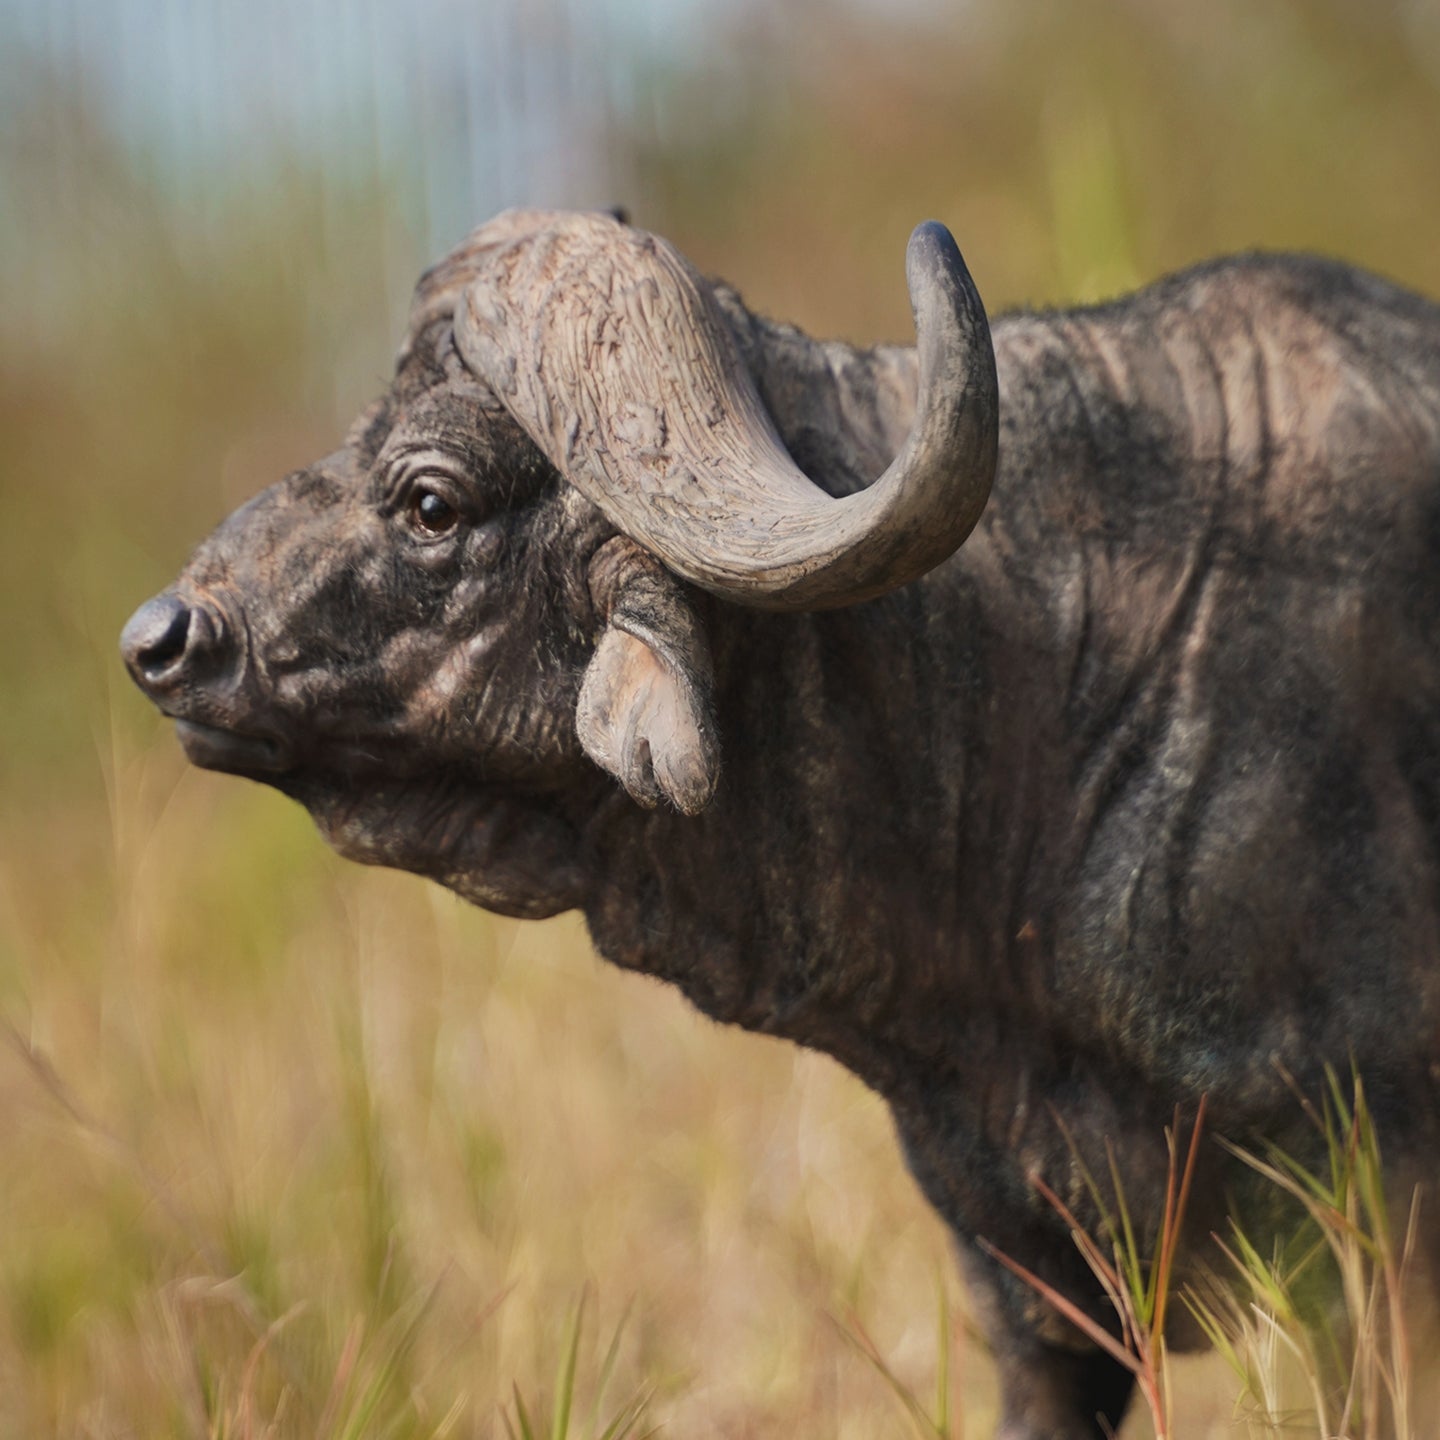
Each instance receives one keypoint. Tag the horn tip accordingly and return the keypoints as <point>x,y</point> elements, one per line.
<point>931,238</point>
<point>932,232</point>
<point>942,294</point>
<point>932,251</point>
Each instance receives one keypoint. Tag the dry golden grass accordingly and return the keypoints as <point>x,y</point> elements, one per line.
<point>296,1149</point>
<point>285,1123</point>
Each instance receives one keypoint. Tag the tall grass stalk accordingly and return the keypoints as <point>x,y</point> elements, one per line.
<point>1358,1373</point>
<point>1137,1286</point>
<point>1328,1307</point>
<point>526,1424</point>
<point>937,1422</point>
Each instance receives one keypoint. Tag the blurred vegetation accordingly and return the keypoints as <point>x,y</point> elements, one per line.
<point>297,1149</point>
<point>1075,151</point>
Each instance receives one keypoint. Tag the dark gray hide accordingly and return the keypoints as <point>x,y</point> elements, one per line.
<point>1133,800</point>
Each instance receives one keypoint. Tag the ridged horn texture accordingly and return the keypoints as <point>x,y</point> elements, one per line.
<point>610,351</point>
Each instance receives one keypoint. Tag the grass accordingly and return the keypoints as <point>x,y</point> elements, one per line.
<point>292,1151</point>
<point>1139,1287</point>
<point>291,1154</point>
<point>1334,1302</point>
<point>942,1420</point>
<point>623,1423</point>
<point>1325,1306</point>
<point>295,1149</point>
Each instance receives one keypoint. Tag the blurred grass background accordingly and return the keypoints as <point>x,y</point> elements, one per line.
<point>293,1148</point>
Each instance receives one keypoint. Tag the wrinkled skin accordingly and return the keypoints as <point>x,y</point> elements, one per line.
<point>1135,800</point>
<point>426,731</point>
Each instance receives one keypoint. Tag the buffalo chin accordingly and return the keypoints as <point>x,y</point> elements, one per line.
<point>505,852</point>
<point>258,757</point>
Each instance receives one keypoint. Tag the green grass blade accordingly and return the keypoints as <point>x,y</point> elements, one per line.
<point>607,1369</point>
<point>522,1417</point>
<point>942,1358</point>
<point>565,1378</point>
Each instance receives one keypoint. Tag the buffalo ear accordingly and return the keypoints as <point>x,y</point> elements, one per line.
<point>644,712</point>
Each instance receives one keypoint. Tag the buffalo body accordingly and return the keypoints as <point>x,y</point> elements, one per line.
<point>1132,800</point>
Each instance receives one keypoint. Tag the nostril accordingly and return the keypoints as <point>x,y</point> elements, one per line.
<point>156,636</point>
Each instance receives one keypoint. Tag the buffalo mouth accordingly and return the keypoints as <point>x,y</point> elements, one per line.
<point>234,751</point>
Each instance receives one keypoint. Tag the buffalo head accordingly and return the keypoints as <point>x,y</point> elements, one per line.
<point>435,635</point>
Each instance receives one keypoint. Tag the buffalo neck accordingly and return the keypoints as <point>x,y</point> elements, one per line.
<point>861,882</point>
<point>864,880</point>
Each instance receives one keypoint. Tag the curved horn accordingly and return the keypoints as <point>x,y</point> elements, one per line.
<point>611,352</point>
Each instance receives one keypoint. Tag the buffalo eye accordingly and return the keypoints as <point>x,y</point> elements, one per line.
<point>432,513</point>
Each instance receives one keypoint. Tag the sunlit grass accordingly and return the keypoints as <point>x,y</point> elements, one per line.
<point>296,1149</point>
<point>1313,1318</point>
<point>1333,1306</point>
<point>1137,1284</point>
<point>302,1149</point>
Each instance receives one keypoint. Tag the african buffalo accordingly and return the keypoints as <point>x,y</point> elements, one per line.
<point>1131,798</point>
